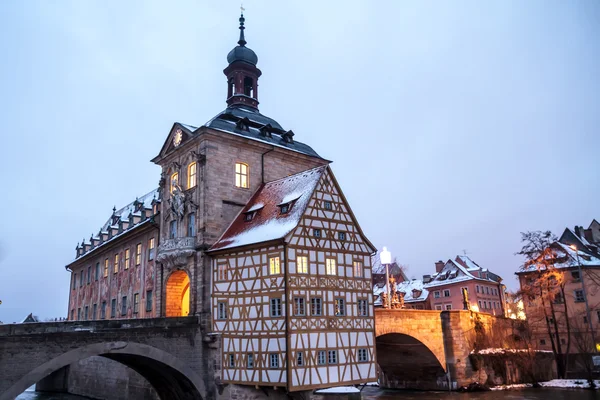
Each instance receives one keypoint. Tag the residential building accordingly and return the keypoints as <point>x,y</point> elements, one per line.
<point>461,284</point>
<point>411,293</point>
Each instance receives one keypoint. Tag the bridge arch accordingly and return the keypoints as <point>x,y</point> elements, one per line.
<point>169,376</point>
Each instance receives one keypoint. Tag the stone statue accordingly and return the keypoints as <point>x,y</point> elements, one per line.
<point>384,300</point>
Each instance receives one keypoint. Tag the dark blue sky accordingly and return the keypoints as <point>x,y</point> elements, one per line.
<point>452,125</point>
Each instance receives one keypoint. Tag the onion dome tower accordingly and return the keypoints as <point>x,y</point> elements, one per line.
<point>242,74</point>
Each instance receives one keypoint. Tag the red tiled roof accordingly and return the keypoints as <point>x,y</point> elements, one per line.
<point>268,223</point>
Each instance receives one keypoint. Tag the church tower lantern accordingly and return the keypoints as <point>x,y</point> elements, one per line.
<point>242,74</point>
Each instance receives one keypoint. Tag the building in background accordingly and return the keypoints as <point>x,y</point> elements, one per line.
<point>484,290</point>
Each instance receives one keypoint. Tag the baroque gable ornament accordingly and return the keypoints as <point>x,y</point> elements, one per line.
<point>177,138</point>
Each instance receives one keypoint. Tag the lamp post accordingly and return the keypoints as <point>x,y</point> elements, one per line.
<point>385,257</point>
<point>587,307</point>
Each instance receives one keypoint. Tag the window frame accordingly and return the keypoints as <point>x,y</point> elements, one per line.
<point>446,291</point>
<point>151,247</point>
<point>299,306</point>
<point>116,264</point>
<point>136,303</point>
<point>339,307</point>
<point>330,269</point>
<point>273,361</point>
<point>192,177</point>
<point>149,300</point>
<point>579,299</point>
<point>191,224</point>
<point>362,307</point>
<point>222,311</point>
<point>174,181</point>
<point>302,267</point>
<point>222,272</point>
<point>250,360</point>
<point>106,268</point>
<point>436,294</point>
<point>138,254</point>
<point>327,205</point>
<point>275,307</point>
<point>274,269</point>
<point>300,359</point>
<point>316,304</point>
<point>317,233</point>
<point>127,258</point>
<point>342,236</point>
<point>241,178</point>
<point>321,357</point>
<point>332,357</point>
<point>363,355</point>
<point>124,305</point>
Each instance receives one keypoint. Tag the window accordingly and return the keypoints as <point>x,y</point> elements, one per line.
<point>78,314</point>
<point>489,305</point>
<point>299,358</point>
<point>274,360</point>
<point>94,311</point>
<point>136,303</point>
<point>321,358</point>
<point>340,307</point>
<point>89,275</point>
<point>124,305</point>
<point>448,306</point>
<point>363,355</point>
<point>363,310</point>
<point>248,216</point>
<point>598,315</point>
<point>584,318</point>
<point>542,341</point>
<point>446,293</point>
<point>487,290</point>
<point>174,181</point>
<point>342,235</point>
<point>106,267</point>
<point>302,264</point>
<point>222,310</point>
<point>438,307</point>
<point>284,208</point>
<point>275,307</point>
<point>480,304</point>
<point>97,272</point>
<point>332,357</point>
<point>575,275</point>
<point>477,288</point>
<point>191,220</point>
<point>579,296</point>
<point>148,300</point>
<point>173,229</point>
<point>222,272</point>
<point>327,205</point>
<point>317,233</point>
<point>316,306</point>
<point>138,254</point>
<point>231,361</point>
<point>116,265</point>
<point>127,259</point>
<point>103,310</point>
<point>74,280</point>
<point>151,246</point>
<point>86,313</point>
<point>250,360</point>
<point>72,314</point>
<point>191,173</point>
<point>436,294</point>
<point>299,306</point>
<point>81,278</point>
<point>113,308</point>
<point>241,175</point>
<point>331,268</point>
<point>357,266</point>
<point>274,267</point>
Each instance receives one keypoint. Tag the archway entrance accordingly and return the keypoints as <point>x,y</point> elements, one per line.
<point>178,295</point>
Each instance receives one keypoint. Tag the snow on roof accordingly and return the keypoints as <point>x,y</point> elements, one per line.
<point>124,212</point>
<point>469,264</point>
<point>268,223</point>
<point>572,258</point>
<point>407,288</point>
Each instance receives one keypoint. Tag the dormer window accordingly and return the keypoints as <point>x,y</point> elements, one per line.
<point>243,125</point>
<point>248,216</point>
<point>285,208</point>
<point>288,137</point>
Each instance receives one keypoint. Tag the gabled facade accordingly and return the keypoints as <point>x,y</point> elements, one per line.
<point>462,277</point>
<point>292,288</point>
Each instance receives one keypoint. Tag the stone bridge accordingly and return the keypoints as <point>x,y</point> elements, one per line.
<point>424,349</point>
<point>168,352</point>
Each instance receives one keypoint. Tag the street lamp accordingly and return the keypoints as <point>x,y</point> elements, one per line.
<point>385,257</point>
<point>587,307</point>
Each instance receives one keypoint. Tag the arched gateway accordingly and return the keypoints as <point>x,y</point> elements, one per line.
<point>178,295</point>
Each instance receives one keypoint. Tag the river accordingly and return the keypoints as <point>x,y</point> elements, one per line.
<point>372,393</point>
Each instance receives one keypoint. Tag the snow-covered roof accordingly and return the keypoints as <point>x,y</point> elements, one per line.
<point>568,258</point>
<point>123,213</point>
<point>470,264</point>
<point>269,223</point>
<point>407,288</point>
<point>460,270</point>
<point>379,268</point>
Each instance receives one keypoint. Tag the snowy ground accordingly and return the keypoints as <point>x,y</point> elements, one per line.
<point>554,383</point>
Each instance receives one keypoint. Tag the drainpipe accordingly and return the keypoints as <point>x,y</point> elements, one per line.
<point>262,164</point>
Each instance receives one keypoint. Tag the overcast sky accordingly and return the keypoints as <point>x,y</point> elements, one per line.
<point>453,125</point>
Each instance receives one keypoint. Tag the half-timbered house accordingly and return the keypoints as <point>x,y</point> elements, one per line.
<point>292,288</point>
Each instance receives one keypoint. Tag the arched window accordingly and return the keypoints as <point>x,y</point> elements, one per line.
<point>230,87</point>
<point>248,86</point>
<point>174,181</point>
<point>191,175</point>
<point>242,172</point>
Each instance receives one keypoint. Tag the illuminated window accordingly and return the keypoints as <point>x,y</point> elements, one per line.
<point>363,355</point>
<point>222,272</point>
<point>192,175</point>
<point>222,310</point>
<point>357,266</point>
<point>151,249</point>
<point>106,267</point>
<point>274,267</point>
<point>241,175</point>
<point>302,265</point>
<point>331,267</point>
<point>136,303</point>
<point>340,307</point>
<point>116,266</point>
<point>299,306</point>
<point>275,307</point>
<point>127,259</point>
<point>138,254</point>
<point>174,181</point>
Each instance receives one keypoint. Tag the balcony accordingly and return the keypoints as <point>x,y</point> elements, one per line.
<point>175,252</point>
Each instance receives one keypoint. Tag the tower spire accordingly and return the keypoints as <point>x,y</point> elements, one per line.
<point>242,41</point>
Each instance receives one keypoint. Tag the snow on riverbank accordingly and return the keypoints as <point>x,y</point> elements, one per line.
<point>554,383</point>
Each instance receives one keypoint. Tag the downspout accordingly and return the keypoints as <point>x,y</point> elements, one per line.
<point>288,304</point>
<point>262,165</point>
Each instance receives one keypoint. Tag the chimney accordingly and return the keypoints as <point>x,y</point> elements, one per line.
<point>439,266</point>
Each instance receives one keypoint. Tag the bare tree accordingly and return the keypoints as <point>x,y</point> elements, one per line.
<point>546,284</point>
<point>584,345</point>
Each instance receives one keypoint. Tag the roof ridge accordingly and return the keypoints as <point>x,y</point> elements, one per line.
<point>295,175</point>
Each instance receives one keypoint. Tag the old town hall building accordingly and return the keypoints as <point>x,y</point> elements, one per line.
<point>250,231</point>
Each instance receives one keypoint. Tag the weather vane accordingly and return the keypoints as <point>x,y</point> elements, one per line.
<point>242,6</point>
